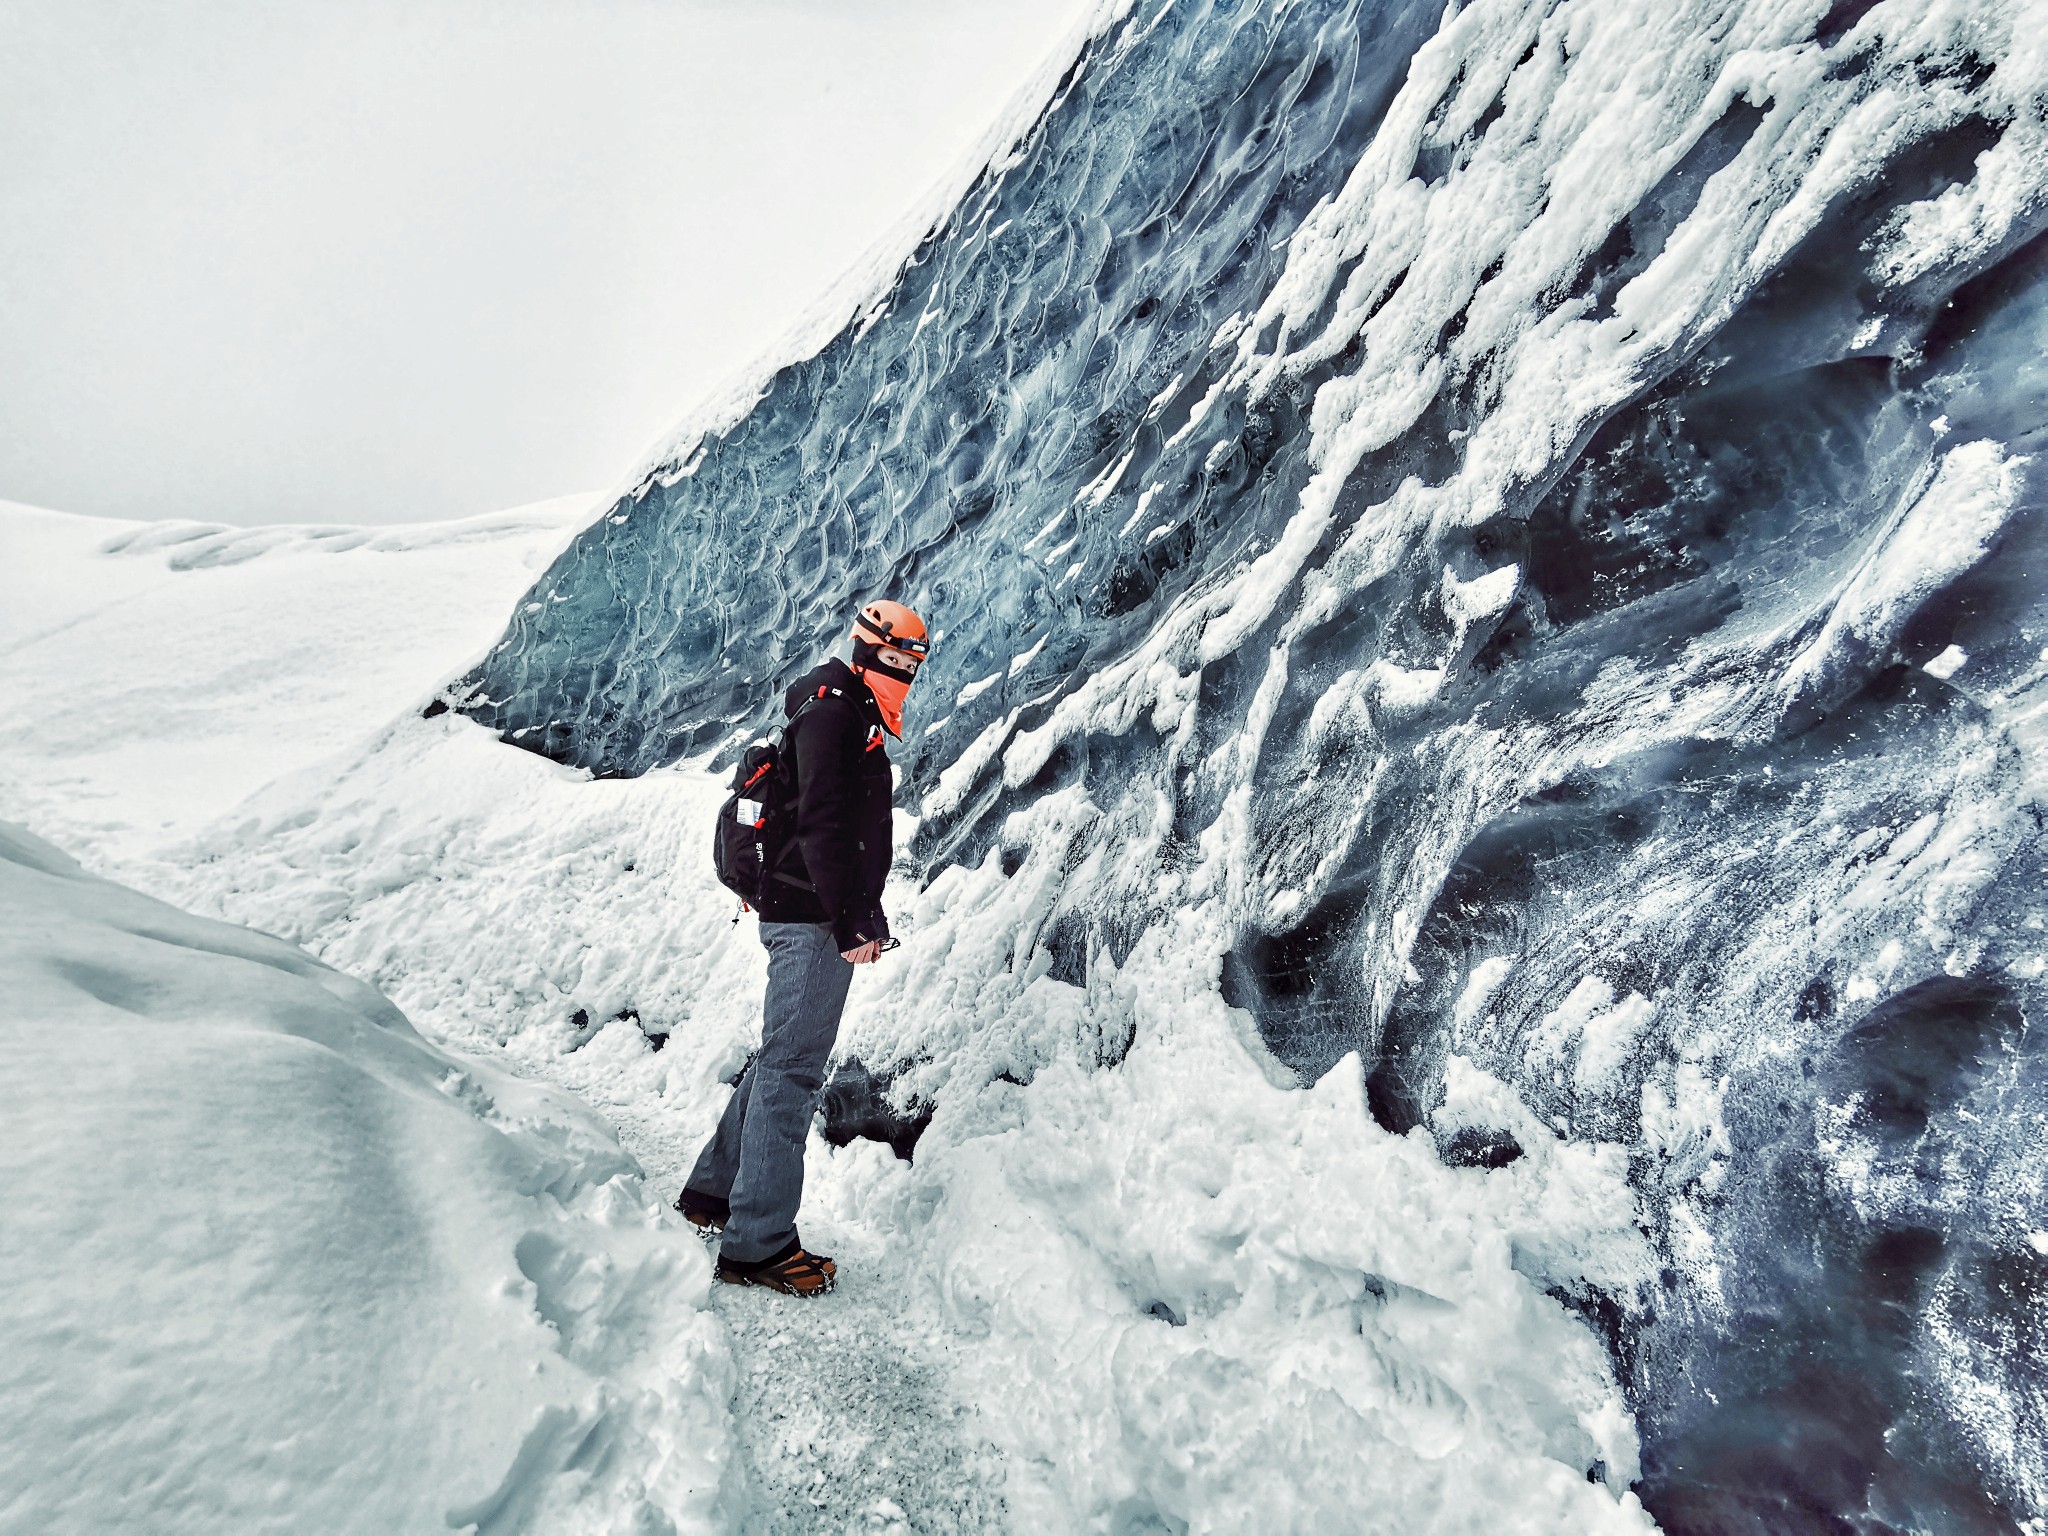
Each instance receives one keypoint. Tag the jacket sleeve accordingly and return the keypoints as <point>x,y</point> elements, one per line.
<point>829,741</point>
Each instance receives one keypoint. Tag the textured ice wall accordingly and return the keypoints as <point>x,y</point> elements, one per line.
<point>1062,316</point>
<point>1535,515</point>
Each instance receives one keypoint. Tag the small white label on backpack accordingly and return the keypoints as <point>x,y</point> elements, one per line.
<point>748,811</point>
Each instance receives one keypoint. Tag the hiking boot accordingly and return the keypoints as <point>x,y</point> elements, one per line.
<point>702,1212</point>
<point>792,1272</point>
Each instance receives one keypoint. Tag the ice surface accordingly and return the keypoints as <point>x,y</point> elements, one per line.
<point>269,1261</point>
<point>1480,492</point>
<point>1050,331</point>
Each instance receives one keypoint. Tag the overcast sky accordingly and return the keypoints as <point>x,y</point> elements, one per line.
<point>367,262</point>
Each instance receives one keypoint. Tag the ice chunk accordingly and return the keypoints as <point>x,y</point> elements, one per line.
<point>1948,662</point>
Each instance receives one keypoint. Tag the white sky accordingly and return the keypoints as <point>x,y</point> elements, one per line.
<point>343,260</point>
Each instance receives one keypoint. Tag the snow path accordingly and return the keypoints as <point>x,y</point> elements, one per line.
<point>847,1412</point>
<point>843,1429</point>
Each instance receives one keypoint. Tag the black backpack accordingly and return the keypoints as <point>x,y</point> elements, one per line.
<point>754,823</point>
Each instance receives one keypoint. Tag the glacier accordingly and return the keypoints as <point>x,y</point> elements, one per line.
<point>1510,539</point>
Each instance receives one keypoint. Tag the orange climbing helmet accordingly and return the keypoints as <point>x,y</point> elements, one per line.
<point>883,622</point>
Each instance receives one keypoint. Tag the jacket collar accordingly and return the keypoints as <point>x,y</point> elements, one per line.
<point>834,673</point>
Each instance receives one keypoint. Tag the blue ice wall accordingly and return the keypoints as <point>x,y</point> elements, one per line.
<point>1538,520</point>
<point>1017,354</point>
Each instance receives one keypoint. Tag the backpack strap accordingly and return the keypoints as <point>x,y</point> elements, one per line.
<point>825,691</point>
<point>781,732</point>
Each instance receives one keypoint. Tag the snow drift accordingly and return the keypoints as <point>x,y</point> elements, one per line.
<point>273,1262</point>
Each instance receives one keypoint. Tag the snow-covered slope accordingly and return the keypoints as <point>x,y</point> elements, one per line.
<point>269,1261</point>
<point>154,674</point>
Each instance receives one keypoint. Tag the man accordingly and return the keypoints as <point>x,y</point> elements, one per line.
<point>823,918</point>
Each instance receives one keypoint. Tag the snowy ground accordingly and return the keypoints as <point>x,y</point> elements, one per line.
<point>1176,1293</point>
<point>166,670</point>
<point>273,1262</point>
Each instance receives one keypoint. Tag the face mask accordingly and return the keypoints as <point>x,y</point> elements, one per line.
<point>890,685</point>
<point>889,692</point>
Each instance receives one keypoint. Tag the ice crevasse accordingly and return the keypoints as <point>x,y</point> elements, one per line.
<point>1487,568</point>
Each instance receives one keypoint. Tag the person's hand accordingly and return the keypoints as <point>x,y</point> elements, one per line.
<point>867,953</point>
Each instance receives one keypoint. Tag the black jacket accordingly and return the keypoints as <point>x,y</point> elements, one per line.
<point>843,835</point>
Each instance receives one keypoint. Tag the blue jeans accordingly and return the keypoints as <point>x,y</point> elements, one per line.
<point>754,1162</point>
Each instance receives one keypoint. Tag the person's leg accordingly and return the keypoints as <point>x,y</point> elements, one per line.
<point>807,982</point>
<point>709,1186</point>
